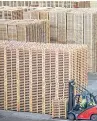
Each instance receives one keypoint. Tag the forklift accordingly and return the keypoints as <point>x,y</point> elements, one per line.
<point>75,111</point>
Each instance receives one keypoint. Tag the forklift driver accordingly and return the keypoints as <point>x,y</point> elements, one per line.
<point>83,103</point>
<point>77,105</point>
<point>80,105</point>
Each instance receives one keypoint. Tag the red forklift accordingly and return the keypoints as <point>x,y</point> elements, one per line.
<point>75,111</point>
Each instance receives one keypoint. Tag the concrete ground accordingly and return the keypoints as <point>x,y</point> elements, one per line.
<point>92,83</point>
<point>23,116</point>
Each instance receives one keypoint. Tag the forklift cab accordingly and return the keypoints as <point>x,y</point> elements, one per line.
<point>75,110</point>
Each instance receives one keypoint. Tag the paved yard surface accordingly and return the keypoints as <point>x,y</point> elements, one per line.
<point>22,116</point>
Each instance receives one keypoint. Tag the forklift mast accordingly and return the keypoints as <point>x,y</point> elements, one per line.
<point>71,96</point>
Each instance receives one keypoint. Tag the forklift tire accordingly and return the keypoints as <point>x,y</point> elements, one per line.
<point>71,116</point>
<point>93,117</point>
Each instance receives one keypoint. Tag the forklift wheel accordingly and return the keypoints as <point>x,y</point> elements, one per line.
<point>71,116</point>
<point>94,117</point>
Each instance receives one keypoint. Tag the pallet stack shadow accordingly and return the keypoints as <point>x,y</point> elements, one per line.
<point>33,74</point>
<point>11,13</point>
<point>82,29</point>
<point>25,30</point>
<point>57,19</point>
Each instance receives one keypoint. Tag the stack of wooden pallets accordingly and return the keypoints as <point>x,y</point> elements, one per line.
<point>82,29</point>
<point>3,29</point>
<point>33,74</point>
<point>59,108</point>
<point>53,25</point>
<point>57,19</point>
<point>25,30</point>
<point>71,26</point>
<point>11,13</point>
<point>75,27</point>
<point>90,37</point>
<point>64,4</point>
<point>2,78</point>
<point>11,99</point>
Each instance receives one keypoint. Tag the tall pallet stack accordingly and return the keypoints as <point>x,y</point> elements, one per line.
<point>11,13</point>
<point>2,78</point>
<point>33,74</point>
<point>75,27</point>
<point>82,29</point>
<point>53,25</point>
<point>57,19</point>
<point>90,37</point>
<point>12,33</point>
<point>3,29</point>
<point>25,30</point>
<point>61,32</point>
